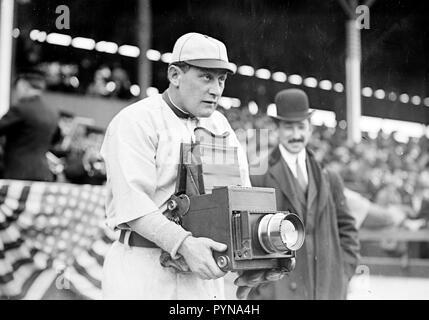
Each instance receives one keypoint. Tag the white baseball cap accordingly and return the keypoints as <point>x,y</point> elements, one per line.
<point>202,51</point>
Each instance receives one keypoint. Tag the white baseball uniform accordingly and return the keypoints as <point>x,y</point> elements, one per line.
<point>141,151</point>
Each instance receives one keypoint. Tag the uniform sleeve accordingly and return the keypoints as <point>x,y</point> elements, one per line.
<point>129,151</point>
<point>10,120</point>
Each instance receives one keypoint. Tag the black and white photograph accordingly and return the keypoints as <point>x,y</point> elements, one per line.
<point>231,152</point>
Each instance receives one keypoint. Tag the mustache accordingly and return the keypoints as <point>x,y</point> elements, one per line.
<point>296,140</point>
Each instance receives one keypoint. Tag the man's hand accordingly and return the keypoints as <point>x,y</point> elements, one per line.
<point>251,279</point>
<point>178,264</point>
<point>199,256</point>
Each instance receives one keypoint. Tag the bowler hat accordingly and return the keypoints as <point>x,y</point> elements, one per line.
<point>201,51</point>
<point>292,105</point>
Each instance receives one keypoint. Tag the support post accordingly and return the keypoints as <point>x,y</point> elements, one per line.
<point>144,41</point>
<point>6,27</point>
<point>353,82</point>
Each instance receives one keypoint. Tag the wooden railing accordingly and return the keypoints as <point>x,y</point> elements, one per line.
<point>402,265</point>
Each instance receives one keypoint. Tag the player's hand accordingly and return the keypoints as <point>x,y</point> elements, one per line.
<point>198,254</point>
<point>179,264</point>
<point>251,279</point>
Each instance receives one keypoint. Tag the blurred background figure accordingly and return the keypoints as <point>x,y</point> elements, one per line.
<point>109,82</point>
<point>122,83</point>
<point>30,128</point>
<point>372,215</point>
<point>83,163</point>
<point>75,157</point>
<point>101,79</point>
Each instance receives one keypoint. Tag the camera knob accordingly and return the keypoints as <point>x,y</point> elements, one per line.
<point>171,205</point>
<point>288,265</point>
<point>222,261</point>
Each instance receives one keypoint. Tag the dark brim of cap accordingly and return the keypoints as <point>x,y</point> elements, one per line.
<point>212,64</point>
<point>294,118</point>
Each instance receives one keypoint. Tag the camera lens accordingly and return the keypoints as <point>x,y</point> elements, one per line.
<point>281,232</point>
<point>288,233</point>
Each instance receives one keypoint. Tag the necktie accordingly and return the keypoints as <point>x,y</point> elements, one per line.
<point>300,177</point>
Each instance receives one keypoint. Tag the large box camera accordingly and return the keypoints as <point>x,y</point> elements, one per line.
<point>210,203</point>
<point>246,220</point>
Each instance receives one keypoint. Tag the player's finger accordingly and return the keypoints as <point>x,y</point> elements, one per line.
<point>250,278</point>
<point>215,271</point>
<point>274,275</point>
<point>243,292</point>
<point>217,246</point>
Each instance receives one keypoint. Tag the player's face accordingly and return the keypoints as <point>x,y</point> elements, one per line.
<point>294,136</point>
<point>200,90</point>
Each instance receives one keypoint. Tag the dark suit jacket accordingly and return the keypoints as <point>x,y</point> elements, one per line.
<point>329,256</point>
<point>29,127</point>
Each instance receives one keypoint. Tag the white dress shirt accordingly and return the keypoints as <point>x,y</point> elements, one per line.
<point>291,161</point>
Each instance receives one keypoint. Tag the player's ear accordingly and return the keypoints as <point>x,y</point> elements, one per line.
<point>174,74</point>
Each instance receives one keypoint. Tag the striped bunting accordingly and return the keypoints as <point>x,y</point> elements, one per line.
<point>52,238</point>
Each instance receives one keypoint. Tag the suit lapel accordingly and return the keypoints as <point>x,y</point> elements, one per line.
<point>282,175</point>
<point>321,185</point>
<point>312,187</point>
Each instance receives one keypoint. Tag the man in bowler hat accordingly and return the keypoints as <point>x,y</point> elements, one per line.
<point>328,258</point>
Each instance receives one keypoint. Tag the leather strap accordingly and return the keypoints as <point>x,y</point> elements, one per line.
<point>136,240</point>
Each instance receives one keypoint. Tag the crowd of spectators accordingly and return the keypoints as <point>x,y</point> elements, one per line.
<point>105,80</point>
<point>383,169</point>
